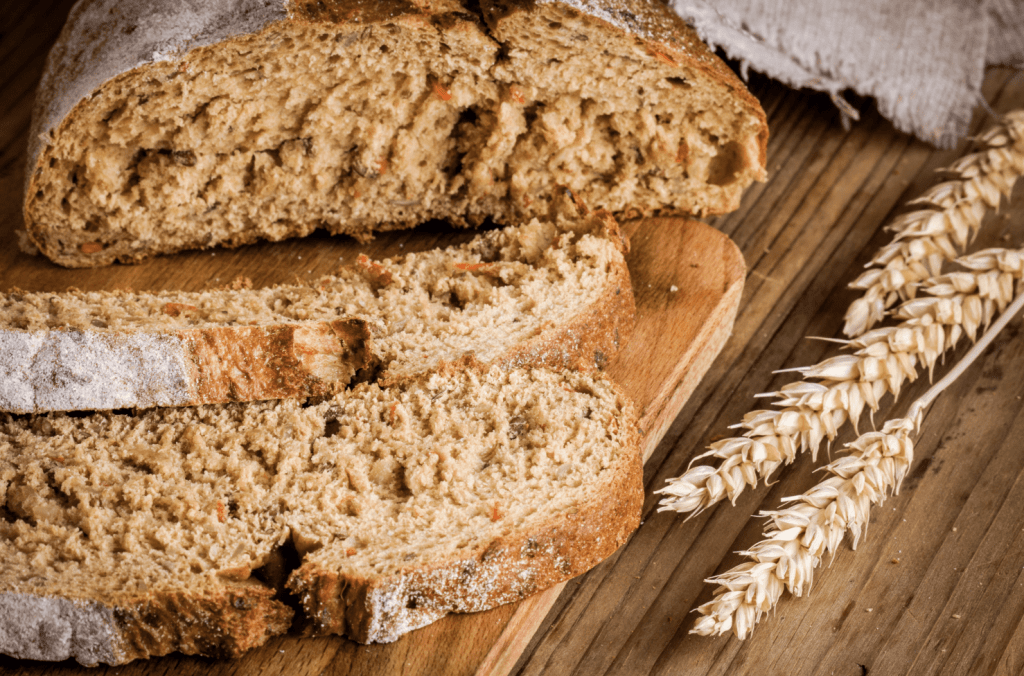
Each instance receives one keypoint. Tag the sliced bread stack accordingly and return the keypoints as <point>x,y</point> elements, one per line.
<point>441,444</point>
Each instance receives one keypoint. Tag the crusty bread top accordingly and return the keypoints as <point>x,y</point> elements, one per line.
<point>372,11</point>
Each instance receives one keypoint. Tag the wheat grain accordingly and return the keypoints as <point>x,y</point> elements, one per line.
<point>799,536</point>
<point>955,305</point>
<point>952,215</point>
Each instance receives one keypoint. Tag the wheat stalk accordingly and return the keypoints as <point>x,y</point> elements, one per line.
<point>799,536</point>
<point>957,305</point>
<point>886,358</point>
<point>952,214</point>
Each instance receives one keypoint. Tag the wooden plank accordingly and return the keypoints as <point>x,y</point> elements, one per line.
<point>701,271</point>
<point>646,633</point>
<point>688,280</point>
<point>608,642</point>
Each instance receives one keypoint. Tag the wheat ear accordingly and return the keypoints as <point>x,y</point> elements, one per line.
<point>950,218</point>
<point>956,305</point>
<point>885,358</point>
<point>799,536</point>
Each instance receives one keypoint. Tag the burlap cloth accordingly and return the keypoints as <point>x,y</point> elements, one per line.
<point>922,60</point>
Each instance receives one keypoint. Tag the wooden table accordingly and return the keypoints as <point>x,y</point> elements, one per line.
<point>937,586</point>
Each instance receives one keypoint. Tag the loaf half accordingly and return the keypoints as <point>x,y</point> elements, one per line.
<point>132,536</point>
<point>541,294</point>
<point>177,125</point>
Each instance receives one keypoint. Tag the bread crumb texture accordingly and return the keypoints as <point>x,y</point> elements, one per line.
<point>545,293</point>
<point>126,536</point>
<point>196,129</point>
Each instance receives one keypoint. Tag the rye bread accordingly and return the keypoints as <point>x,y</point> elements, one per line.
<point>129,536</point>
<point>169,126</point>
<point>542,294</point>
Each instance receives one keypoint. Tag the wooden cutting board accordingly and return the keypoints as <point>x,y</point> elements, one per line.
<point>687,279</point>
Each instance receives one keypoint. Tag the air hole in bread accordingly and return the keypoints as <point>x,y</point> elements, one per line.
<point>725,164</point>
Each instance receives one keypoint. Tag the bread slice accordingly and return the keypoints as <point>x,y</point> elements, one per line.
<point>160,127</point>
<point>541,294</point>
<point>131,536</point>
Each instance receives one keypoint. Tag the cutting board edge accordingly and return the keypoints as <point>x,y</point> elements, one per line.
<point>692,366</point>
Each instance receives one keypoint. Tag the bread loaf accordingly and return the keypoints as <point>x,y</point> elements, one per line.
<point>176,125</point>
<point>128,536</point>
<point>554,294</point>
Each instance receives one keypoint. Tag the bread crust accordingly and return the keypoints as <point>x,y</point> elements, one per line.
<point>222,622</point>
<point>226,622</point>
<point>283,361</point>
<point>504,569</point>
<point>376,11</point>
<point>94,370</point>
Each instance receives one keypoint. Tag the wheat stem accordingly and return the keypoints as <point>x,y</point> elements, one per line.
<point>956,304</point>
<point>799,536</point>
<point>925,400</point>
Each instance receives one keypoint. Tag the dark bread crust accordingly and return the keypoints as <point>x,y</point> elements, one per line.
<point>282,361</point>
<point>670,42</point>
<point>226,622</point>
<point>548,551</point>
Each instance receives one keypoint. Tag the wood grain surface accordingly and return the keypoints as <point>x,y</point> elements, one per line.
<point>936,587</point>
